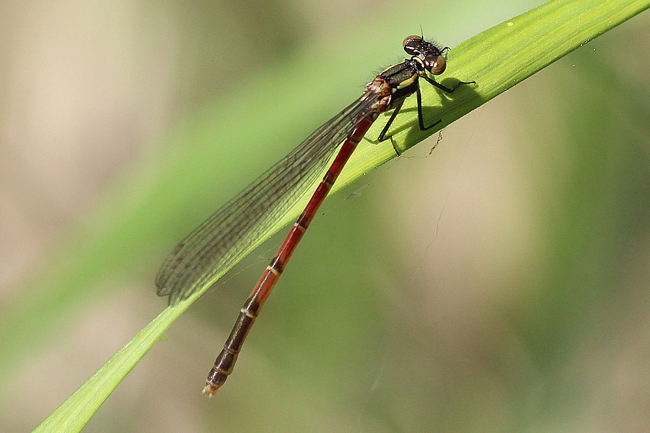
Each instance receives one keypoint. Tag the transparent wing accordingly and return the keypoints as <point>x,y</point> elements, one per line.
<point>214,246</point>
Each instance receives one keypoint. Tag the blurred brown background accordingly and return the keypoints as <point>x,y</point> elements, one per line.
<point>498,284</point>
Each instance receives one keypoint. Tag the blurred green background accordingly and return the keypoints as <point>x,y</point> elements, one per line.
<point>499,283</point>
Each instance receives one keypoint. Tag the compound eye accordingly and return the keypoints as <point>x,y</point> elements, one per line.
<point>435,64</point>
<point>412,44</point>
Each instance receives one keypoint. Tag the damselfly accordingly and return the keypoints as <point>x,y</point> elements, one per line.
<point>213,246</point>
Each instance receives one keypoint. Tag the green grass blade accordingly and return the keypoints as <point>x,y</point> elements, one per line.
<point>496,59</point>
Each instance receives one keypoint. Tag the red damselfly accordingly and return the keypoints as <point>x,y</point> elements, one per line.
<point>212,247</point>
